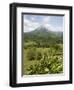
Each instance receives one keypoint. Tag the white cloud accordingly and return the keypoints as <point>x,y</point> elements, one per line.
<point>51,28</point>
<point>30,25</point>
<point>46,20</point>
<point>33,18</point>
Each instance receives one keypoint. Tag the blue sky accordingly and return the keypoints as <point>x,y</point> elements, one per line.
<point>31,22</point>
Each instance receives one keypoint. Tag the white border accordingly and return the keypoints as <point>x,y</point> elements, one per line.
<point>43,78</point>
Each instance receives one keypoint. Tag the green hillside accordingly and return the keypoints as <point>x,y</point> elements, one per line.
<point>43,52</point>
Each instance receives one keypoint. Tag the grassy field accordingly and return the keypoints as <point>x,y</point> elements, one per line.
<point>39,60</point>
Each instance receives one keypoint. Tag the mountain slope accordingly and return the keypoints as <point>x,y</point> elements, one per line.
<point>43,35</point>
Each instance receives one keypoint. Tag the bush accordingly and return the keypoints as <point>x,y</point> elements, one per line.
<point>50,60</point>
<point>31,54</point>
<point>38,55</point>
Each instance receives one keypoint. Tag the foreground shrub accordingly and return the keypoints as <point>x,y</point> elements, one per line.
<point>50,60</point>
<point>38,55</point>
<point>47,66</point>
<point>31,54</point>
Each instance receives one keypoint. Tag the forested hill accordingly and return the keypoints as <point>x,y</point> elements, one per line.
<point>43,36</point>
